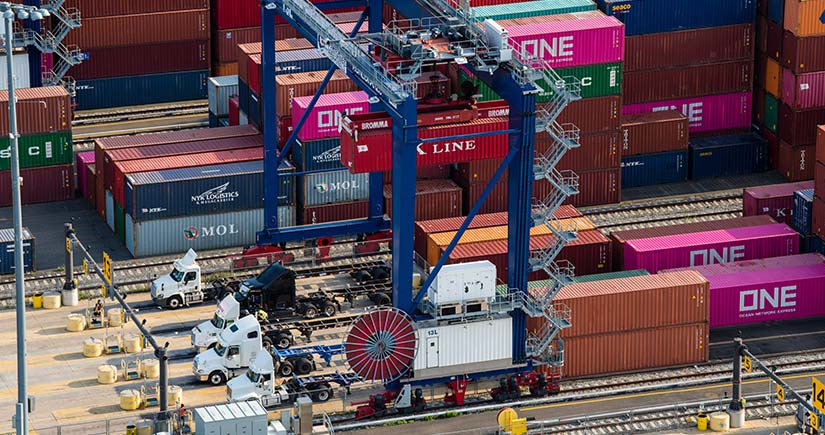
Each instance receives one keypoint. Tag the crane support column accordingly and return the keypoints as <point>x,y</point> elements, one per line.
<point>269,117</point>
<point>404,156</point>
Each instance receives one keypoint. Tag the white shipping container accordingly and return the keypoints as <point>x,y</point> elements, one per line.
<point>464,343</point>
<point>20,67</point>
<point>219,91</point>
<point>463,282</point>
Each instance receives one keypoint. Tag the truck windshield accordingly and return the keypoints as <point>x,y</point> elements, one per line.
<point>253,376</point>
<point>176,275</point>
<point>220,350</point>
<point>218,322</point>
<point>270,274</point>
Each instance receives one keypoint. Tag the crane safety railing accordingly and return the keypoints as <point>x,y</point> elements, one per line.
<point>565,137</point>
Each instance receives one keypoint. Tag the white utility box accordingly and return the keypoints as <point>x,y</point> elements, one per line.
<point>456,283</point>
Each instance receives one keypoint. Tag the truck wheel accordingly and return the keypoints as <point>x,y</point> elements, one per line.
<point>382,299</point>
<point>303,366</point>
<point>286,369</point>
<point>217,378</point>
<point>266,342</point>
<point>174,302</point>
<point>322,395</point>
<point>329,309</point>
<point>310,312</point>
<point>283,341</point>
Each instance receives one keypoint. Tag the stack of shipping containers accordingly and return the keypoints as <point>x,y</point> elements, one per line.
<point>654,148</point>
<point>681,56</point>
<point>140,52</point>
<point>45,145</point>
<point>817,207</point>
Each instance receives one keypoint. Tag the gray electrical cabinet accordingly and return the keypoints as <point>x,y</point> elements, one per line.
<point>241,418</point>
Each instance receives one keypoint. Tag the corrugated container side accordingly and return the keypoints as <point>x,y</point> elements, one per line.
<point>41,184</point>
<point>465,343</point>
<point>636,350</point>
<point>38,150</point>
<point>642,17</point>
<point>812,244</point>
<point>531,9</point>
<point>646,133</point>
<point>687,82</point>
<point>772,77</point>
<point>32,116</point>
<point>316,155</point>
<point>289,86</point>
<point>820,143</point>
<point>796,163</point>
<point>332,187</point>
<point>727,155</point>
<point>774,40</point>
<point>105,8</point>
<point>620,237</point>
<point>601,186</point>
<point>719,246</point>
<point>219,91</point>
<point>803,17</point>
<point>819,180</point>
<point>91,193</point>
<point>707,113</point>
<point>609,275</point>
<point>802,211</point>
<point>593,115</point>
<point>803,91</point>
<point>771,113</point>
<point>141,29</point>
<point>325,116</point>
<point>595,151</point>
<point>143,89</point>
<point>818,217</point>
<point>650,169</point>
<point>211,231</point>
<point>434,199</point>
<point>436,172</point>
<point>803,54</point>
<point>135,60</point>
<point>774,200</point>
<point>689,47</point>
<point>798,127</point>
<point>7,251</point>
<point>82,162</point>
<point>341,211</point>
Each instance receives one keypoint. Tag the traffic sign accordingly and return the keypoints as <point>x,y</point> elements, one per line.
<point>107,268</point>
<point>747,364</point>
<point>68,244</point>
<point>780,393</point>
<point>518,426</point>
<point>818,394</point>
<point>103,291</point>
<point>814,420</point>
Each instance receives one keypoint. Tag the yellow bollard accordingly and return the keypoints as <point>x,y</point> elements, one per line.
<point>702,421</point>
<point>37,301</point>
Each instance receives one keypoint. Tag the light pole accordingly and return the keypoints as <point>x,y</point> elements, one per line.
<point>10,11</point>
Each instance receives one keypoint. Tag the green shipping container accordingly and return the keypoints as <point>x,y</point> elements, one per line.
<point>531,9</point>
<point>38,150</point>
<point>120,223</point>
<point>771,112</point>
<point>602,80</point>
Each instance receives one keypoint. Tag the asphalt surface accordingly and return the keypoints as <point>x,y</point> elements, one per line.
<point>703,185</point>
<point>770,337</point>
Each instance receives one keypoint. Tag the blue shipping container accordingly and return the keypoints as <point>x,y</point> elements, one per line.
<point>203,190</point>
<point>803,205</point>
<point>811,244</point>
<point>298,61</point>
<point>642,17</point>
<point>727,155</point>
<point>650,169</point>
<point>317,155</point>
<point>243,96</point>
<point>7,251</point>
<point>776,10</point>
<point>144,89</point>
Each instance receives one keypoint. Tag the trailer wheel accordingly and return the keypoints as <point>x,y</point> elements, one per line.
<point>382,299</point>
<point>303,366</point>
<point>323,394</point>
<point>310,311</point>
<point>286,368</point>
<point>283,341</point>
<point>267,342</point>
<point>217,378</point>
<point>329,309</point>
<point>174,302</point>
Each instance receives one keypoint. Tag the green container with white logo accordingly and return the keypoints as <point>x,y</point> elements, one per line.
<point>601,80</point>
<point>38,150</point>
<point>771,112</point>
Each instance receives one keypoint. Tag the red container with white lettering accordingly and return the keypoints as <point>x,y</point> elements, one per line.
<point>371,151</point>
<point>775,200</point>
<point>710,247</point>
<point>325,117</point>
<point>707,113</point>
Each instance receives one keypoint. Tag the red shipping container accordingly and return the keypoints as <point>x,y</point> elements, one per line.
<point>106,8</point>
<point>592,115</point>
<point>496,201</point>
<point>775,200</point>
<point>803,54</point>
<point>289,86</point>
<point>225,42</point>
<point>820,143</point>
<point>655,132</point>
<point>761,34</point>
<point>818,220</point>
<point>232,14</point>
<point>595,151</point>
<point>686,82</point>
<point>798,127</point>
<point>341,211</point>
<point>140,29</point>
<point>438,172</point>
<point>434,199</point>
<point>143,59</point>
<point>758,106</point>
<point>803,91</point>
<point>601,186</point>
<point>774,40</point>
<point>371,151</point>
<point>39,110</point>
<point>234,111</point>
<point>689,47</point>
<point>773,147</point>
<point>41,184</point>
<point>819,179</point>
<point>796,163</point>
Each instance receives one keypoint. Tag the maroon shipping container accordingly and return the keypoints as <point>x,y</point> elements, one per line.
<point>762,34</point>
<point>341,211</point>
<point>90,184</point>
<point>225,42</point>
<point>33,117</point>
<point>496,201</point>
<point>798,127</point>
<point>774,40</point>
<point>758,106</point>
<point>819,179</point>
<point>595,151</point>
<point>141,29</point>
<point>106,8</point>
<point>818,221</point>
<point>592,115</point>
<point>688,47</point>
<point>438,172</point>
<point>796,163</point>
<point>620,237</point>
<point>687,82</point>
<point>803,55</point>
<point>143,59</point>
<point>654,132</point>
<point>434,199</point>
<point>596,187</point>
<point>42,184</point>
<point>820,143</point>
<point>773,147</point>
<point>231,14</point>
<point>775,200</point>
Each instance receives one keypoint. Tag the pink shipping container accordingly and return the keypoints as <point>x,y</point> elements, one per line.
<point>803,91</point>
<point>326,116</point>
<point>775,200</point>
<point>710,247</point>
<point>766,291</point>
<point>82,162</point>
<point>707,113</point>
<point>573,42</point>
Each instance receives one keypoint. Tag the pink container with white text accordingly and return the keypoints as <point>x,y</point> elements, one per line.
<point>707,113</point>
<point>325,117</point>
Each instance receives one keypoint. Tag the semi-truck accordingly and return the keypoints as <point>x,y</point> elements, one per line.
<point>237,347</point>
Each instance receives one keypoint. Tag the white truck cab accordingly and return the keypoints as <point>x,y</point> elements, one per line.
<point>182,286</point>
<point>258,384</point>
<point>238,345</point>
<point>206,334</point>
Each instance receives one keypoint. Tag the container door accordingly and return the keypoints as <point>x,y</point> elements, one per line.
<point>432,352</point>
